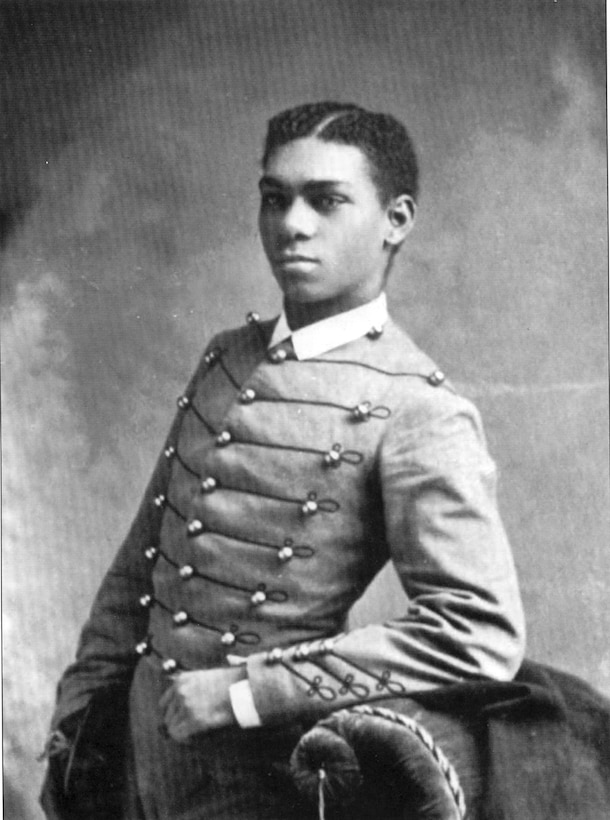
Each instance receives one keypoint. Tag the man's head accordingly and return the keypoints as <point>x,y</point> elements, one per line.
<point>337,200</point>
<point>381,138</point>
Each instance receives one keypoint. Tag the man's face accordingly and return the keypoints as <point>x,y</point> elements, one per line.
<point>322,225</point>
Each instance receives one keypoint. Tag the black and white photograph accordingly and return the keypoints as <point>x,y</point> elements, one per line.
<point>305,397</point>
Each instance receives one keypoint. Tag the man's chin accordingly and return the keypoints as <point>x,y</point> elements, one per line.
<point>301,296</point>
<point>300,289</point>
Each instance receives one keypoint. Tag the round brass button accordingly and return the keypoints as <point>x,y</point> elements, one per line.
<point>278,356</point>
<point>362,411</point>
<point>436,378</point>
<point>247,396</point>
<point>332,458</point>
<point>209,484</point>
<point>310,507</point>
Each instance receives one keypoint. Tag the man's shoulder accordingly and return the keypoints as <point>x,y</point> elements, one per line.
<point>253,327</point>
<point>389,350</point>
<point>244,345</point>
<point>420,386</point>
<point>404,347</point>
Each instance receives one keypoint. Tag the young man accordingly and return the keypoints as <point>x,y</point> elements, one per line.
<point>307,452</point>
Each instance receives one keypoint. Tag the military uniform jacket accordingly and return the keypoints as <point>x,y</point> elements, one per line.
<point>283,488</point>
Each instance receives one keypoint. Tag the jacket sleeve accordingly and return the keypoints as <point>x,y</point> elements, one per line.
<point>106,655</point>
<point>444,534</point>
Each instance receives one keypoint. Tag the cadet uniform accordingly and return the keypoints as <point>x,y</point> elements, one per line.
<point>290,476</point>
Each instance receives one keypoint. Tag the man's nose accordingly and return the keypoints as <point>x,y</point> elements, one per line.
<point>299,219</point>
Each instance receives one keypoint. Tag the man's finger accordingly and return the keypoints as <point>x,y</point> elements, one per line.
<point>168,695</point>
<point>172,710</point>
<point>180,730</point>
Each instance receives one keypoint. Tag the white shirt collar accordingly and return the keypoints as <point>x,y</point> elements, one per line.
<point>320,337</point>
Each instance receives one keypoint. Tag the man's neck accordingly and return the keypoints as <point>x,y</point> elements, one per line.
<point>301,314</point>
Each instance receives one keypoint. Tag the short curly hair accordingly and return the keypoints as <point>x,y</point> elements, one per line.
<point>381,137</point>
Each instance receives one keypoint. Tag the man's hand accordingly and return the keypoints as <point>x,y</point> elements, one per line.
<point>199,701</point>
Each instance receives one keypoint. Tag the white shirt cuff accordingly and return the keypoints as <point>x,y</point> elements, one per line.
<point>243,706</point>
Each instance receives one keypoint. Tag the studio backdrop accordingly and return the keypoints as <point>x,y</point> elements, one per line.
<point>131,137</point>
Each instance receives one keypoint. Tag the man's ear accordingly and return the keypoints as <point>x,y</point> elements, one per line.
<point>401,218</point>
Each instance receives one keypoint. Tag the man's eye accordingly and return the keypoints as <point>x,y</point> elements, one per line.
<point>272,200</point>
<point>328,202</point>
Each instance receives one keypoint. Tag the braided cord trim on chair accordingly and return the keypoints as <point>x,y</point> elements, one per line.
<point>426,738</point>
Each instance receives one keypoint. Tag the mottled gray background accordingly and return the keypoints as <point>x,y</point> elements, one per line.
<point>130,140</point>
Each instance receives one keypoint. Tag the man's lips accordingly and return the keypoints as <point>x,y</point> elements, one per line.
<point>287,258</point>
